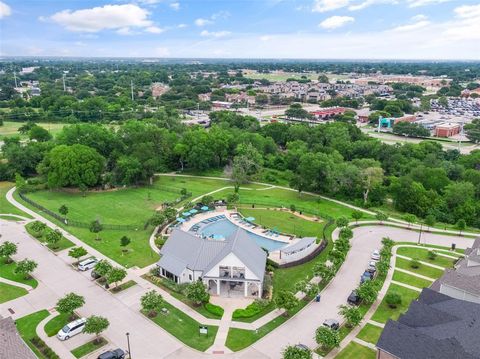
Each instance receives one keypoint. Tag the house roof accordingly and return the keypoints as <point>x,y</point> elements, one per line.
<point>435,326</point>
<point>185,250</point>
<point>11,344</point>
<point>462,281</point>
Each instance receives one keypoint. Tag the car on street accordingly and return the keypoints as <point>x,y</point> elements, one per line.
<point>94,274</point>
<point>353,298</point>
<point>71,329</point>
<point>366,276</point>
<point>302,347</point>
<point>332,324</point>
<point>112,354</point>
<point>87,264</point>
<point>375,255</point>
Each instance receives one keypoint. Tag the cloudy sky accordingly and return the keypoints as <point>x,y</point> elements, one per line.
<point>320,29</point>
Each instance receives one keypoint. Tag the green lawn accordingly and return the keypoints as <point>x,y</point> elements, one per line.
<point>55,324</point>
<point>62,244</point>
<point>10,129</point>
<point>184,328</point>
<point>9,292</point>
<point>423,269</point>
<point>284,222</point>
<point>5,206</point>
<point>370,333</point>
<point>356,351</point>
<point>384,312</point>
<point>7,271</point>
<point>27,325</point>
<point>422,254</point>
<point>411,280</point>
<point>123,286</point>
<point>89,347</point>
<point>446,250</point>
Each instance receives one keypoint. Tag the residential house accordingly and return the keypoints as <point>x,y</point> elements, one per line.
<point>12,345</point>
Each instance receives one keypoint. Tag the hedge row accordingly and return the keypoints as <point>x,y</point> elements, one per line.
<point>46,351</point>
<point>214,309</point>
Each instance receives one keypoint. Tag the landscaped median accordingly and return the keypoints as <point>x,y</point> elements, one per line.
<point>89,347</point>
<point>40,231</point>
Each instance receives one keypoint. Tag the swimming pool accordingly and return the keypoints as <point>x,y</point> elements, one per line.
<point>223,228</point>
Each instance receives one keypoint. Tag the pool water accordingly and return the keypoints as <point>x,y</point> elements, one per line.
<point>223,228</point>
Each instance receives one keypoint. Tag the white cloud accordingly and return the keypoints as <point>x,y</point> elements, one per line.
<point>154,30</point>
<point>266,37</point>
<point>162,52</point>
<point>5,10</point>
<point>367,3</point>
<point>418,22</point>
<point>182,26</point>
<point>335,22</point>
<point>418,3</point>
<point>466,26</point>
<point>203,22</point>
<point>175,6</point>
<point>216,34</point>
<point>328,5</point>
<point>113,17</point>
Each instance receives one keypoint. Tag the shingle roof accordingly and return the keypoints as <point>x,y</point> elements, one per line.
<point>435,326</point>
<point>460,280</point>
<point>11,344</point>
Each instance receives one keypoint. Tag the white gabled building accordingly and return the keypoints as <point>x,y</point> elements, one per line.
<point>234,264</point>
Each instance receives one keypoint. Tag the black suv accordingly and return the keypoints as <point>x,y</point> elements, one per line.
<point>112,354</point>
<point>353,298</point>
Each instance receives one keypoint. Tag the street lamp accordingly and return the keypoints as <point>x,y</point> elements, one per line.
<point>128,343</point>
<point>420,233</point>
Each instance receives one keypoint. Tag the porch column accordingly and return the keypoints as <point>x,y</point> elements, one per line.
<point>259,290</point>
<point>218,286</point>
<point>245,287</point>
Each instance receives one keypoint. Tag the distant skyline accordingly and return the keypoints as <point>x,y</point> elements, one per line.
<point>309,29</point>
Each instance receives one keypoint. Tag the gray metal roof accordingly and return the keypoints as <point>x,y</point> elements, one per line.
<point>461,281</point>
<point>11,344</point>
<point>435,326</point>
<point>185,250</point>
<point>299,245</point>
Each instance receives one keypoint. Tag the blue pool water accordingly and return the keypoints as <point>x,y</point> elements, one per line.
<point>223,228</point>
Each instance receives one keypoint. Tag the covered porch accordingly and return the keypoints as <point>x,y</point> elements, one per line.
<point>233,287</point>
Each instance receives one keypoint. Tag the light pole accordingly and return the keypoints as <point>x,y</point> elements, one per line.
<point>420,233</point>
<point>128,343</point>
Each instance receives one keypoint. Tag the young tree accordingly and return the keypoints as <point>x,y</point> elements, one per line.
<point>38,227</point>
<point>124,242</point>
<point>69,303</point>
<point>116,275</point>
<point>432,255</point>
<point>342,221</point>
<point>414,263</point>
<point>8,249</point>
<point>393,300</point>
<point>96,227</point>
<point>356,215</point>
<point>63,210</point>
<point>103,267</point>
<point>286,300</point>
<point>53,237</point>
<point>383,266</point>
<point>151,302</point>
<point>77,253</point>
<point>430,220</point>
<point>157,219</point>
<point>346,233</point>
<point>327,338</point>
<point>368,291</point>
<point>409,218</point>
<point>96,325</point>
<point>461,225</point>
<point>295,352</point>
<point>382,217</point>
<point>352,315</point>
<point>197,292</point>
<point>25,267</point>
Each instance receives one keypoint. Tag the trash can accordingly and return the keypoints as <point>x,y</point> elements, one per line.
<point>453,246</point>
<point>317,298</point>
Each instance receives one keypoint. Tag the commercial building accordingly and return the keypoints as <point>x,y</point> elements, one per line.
<point>447,129</point>
<point>327,113</point>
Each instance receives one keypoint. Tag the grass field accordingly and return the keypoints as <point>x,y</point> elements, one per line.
<point>370,333</point>
<point>184,328</point>
<point>284,222</point>
<point>62,244</point>
<point>10,129</point>
<point>27,325</point>
<point>422,254</point>
<point>423,269</point>
<point>356,351</point>
<point>89,347</point>
<point>9,292</point>
<point>5,206</point>
<point>411,280</point>
<point>384,312</point>
<point>55,324</point>
<point>7,271</point>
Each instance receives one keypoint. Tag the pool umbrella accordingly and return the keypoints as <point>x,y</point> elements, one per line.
<point>186,214</point>
<point>250,219</point>
<point>180,219</point>
<point>193,211</point>
<point>204,208</point>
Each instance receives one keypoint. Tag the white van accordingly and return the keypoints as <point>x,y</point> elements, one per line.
<point>71,329</point>
<point>87,264</point>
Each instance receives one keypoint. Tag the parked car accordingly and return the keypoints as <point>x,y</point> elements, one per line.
<point>372,266</point>
<point>370,269</point>
<point>112,354</point>
<point>366,276</point>
<point>87,264</point>
<point>353,298</point>
<point>71,329</point>
<point>302,346</point>
<point>331,323</point>
<point>375,255</point>
<point>95,275</point>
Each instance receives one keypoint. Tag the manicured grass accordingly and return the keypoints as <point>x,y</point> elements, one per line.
<point>62,244</point>
<point>422,254</point>
<point>10,129</point>
<point>411,280</point>
<point>5,206</point>
<point>384,312</point>
<point>89,347</point>
<point>423,269</point>
<point>184,328</point>
<point>55,324</point>
<point>284,222</point>
<point>27,325</point>
<point>446,250</point>
<point>9,292</point>
<point>7,271</point>
<point>370,333</point>
<point>123,286</point>
<point>356,351</point>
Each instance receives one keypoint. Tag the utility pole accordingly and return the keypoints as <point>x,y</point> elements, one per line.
<point>131,88</point>
<point>64,87</point>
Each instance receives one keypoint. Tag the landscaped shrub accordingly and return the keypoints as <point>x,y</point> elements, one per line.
<point>43,348</point>
<point>159,242</point>
<point>432,255</point>
<point>214,309</point>
<point>251,310</point>
<point>346,233</point>
<point>292,207</point>
<point>414,263</point>
<point>393,300</point>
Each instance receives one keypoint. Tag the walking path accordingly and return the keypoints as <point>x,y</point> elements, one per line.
<point>16,284</point>
<point>56,345</point>
<point>413,274</point>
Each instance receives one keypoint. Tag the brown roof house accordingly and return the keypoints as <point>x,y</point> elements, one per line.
<point>11,344</point>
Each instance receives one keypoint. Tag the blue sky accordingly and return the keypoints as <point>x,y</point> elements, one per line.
<point>323,29</point>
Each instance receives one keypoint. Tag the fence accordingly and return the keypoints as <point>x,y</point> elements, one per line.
<point>308,258</point>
